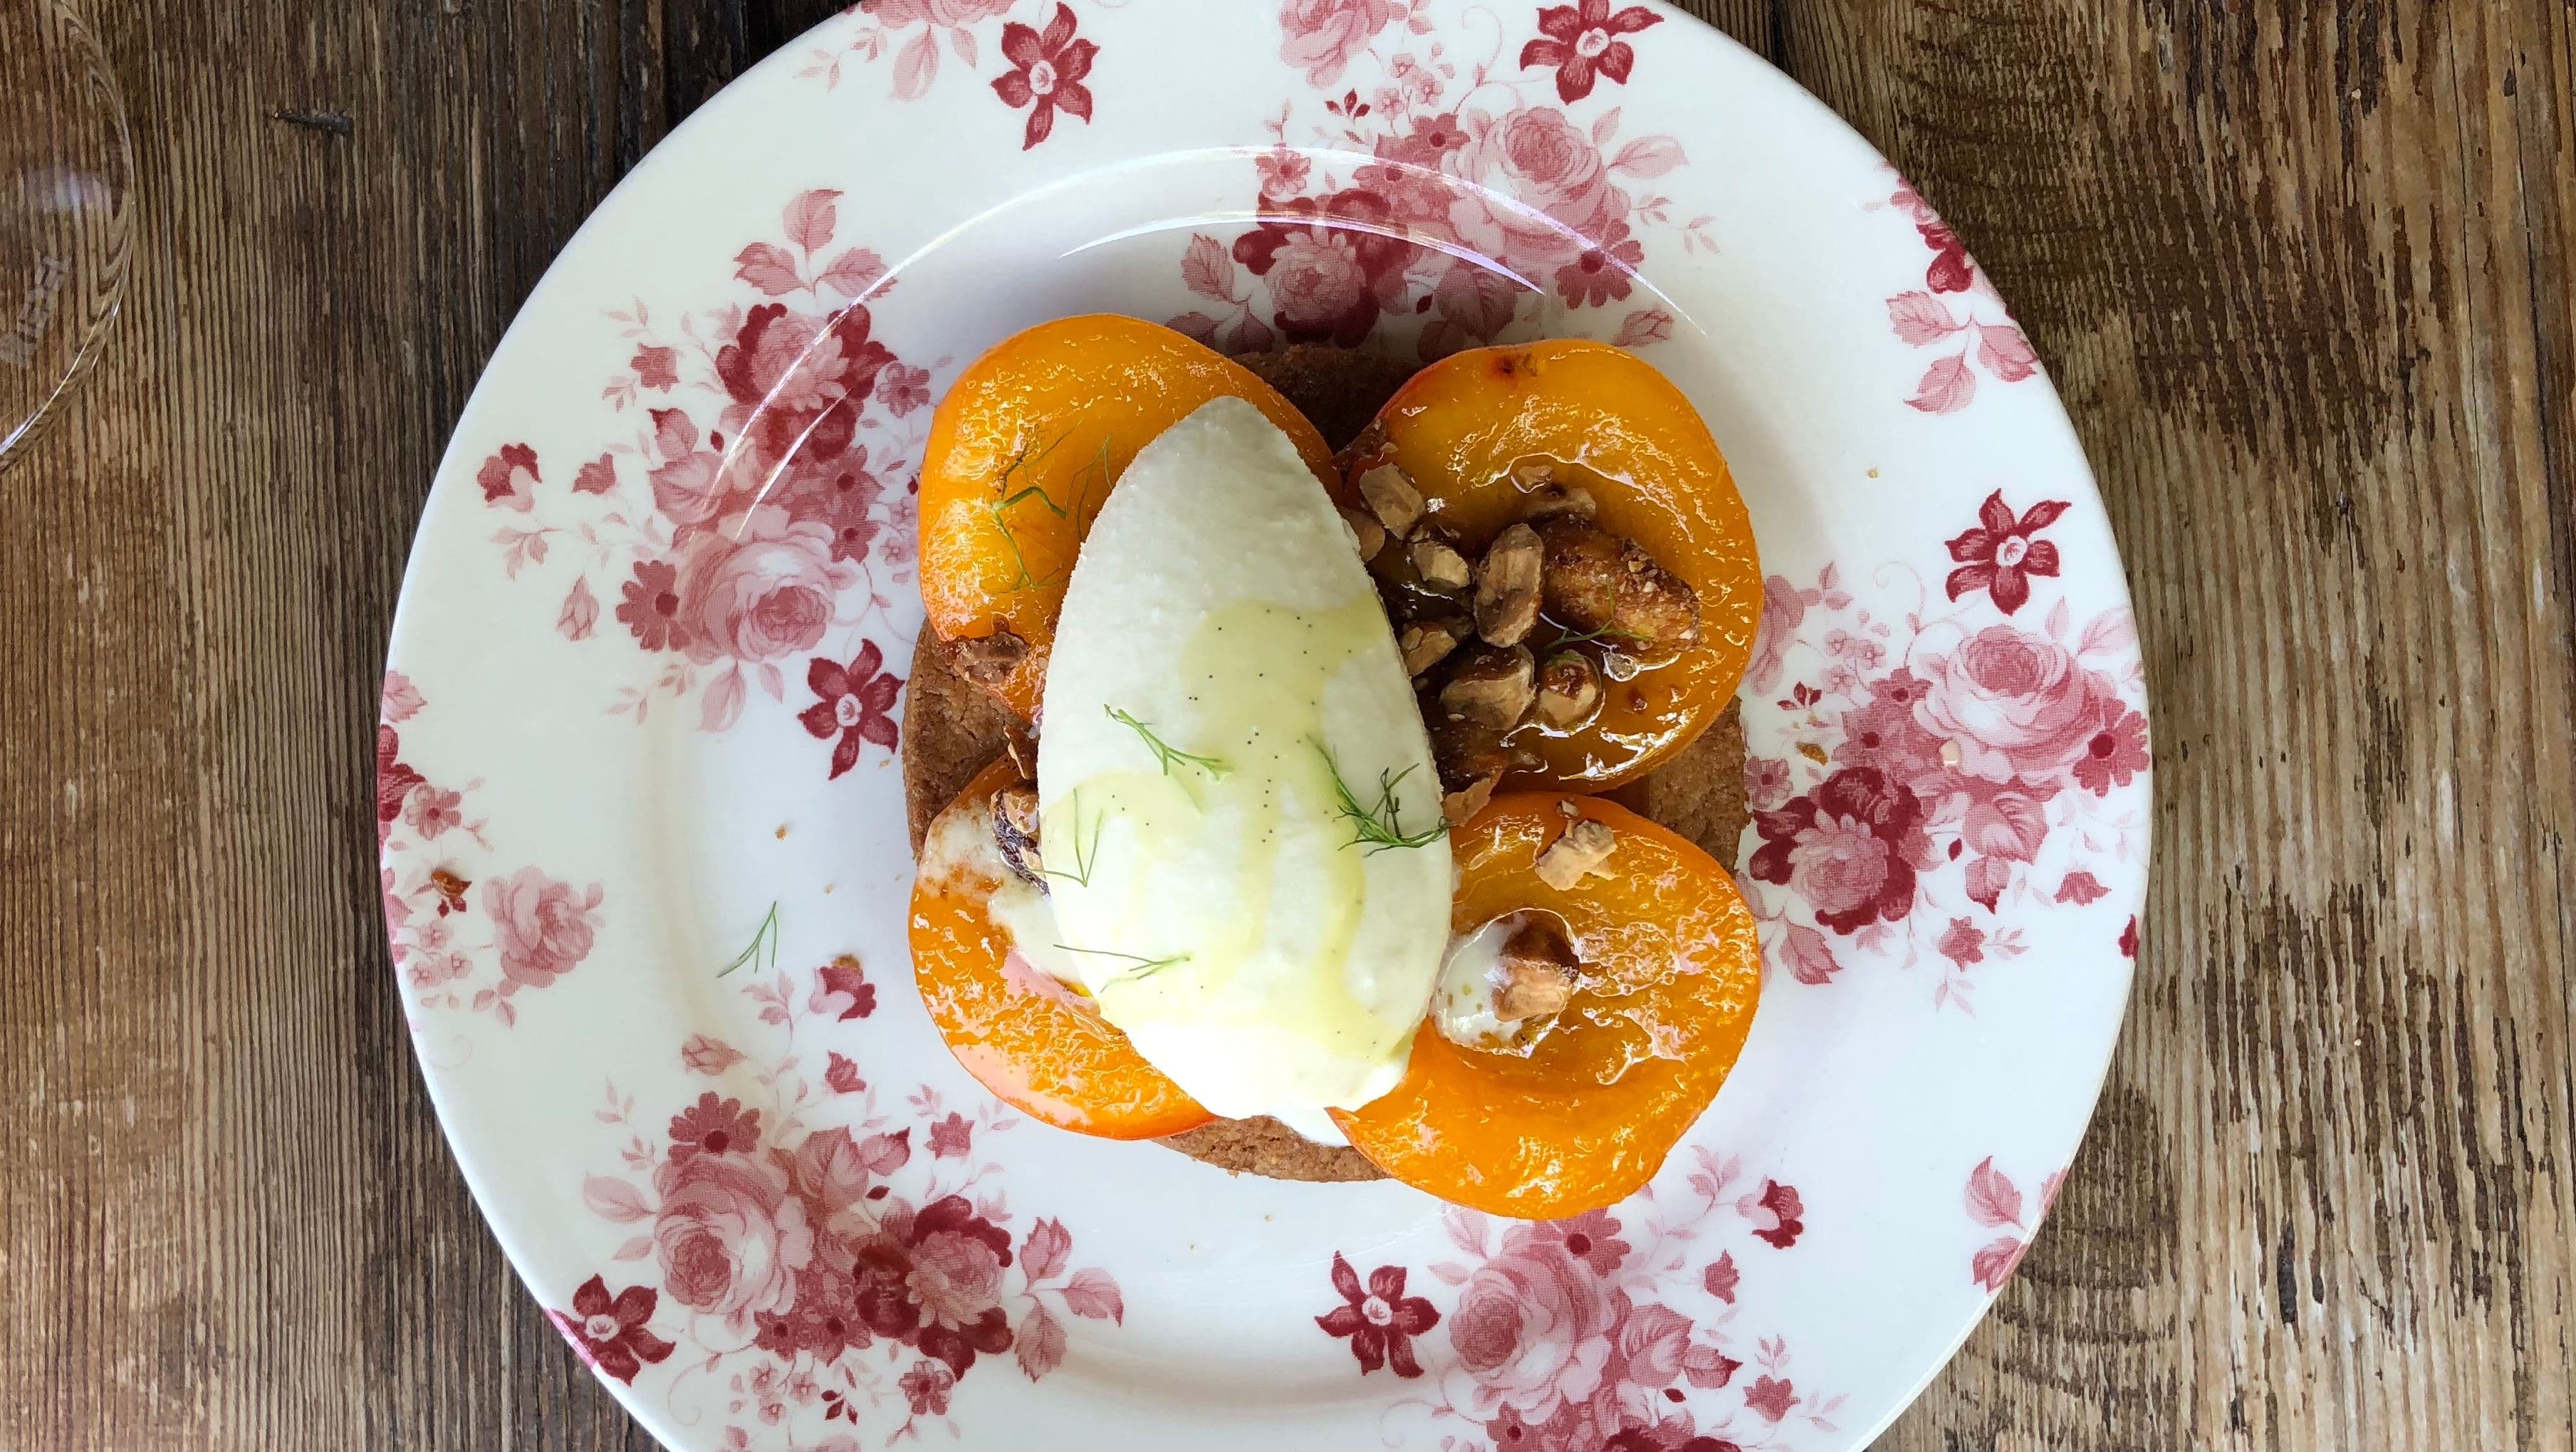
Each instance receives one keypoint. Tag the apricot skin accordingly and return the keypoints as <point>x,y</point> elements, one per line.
<point>1047,1055</point>
<point>1024,449</point>
<point>1608,421</point>
<point>1670,975</point>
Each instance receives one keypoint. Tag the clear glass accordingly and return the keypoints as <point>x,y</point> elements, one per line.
<point>66,212</point>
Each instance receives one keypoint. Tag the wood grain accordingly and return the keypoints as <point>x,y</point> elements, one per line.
<point>2301,271</point>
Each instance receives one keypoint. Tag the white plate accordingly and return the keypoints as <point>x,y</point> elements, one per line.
<point>652,943</point>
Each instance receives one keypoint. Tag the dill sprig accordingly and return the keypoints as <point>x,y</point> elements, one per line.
<point>1145,967</point>
<point>1377,826</point>
<point>1084,853</point>
<point>1094,475</point>
<point>1164,752</point>
<point>764,944</point>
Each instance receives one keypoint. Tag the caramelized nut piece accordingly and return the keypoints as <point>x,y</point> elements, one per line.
<point>1569,690</point>
<point>1533,474</point>
<point>1594,580</point>
<point>1439,564</point>
<point>989,660</point>
<point>1392,498</point>
<point>1559,500</point>
<point>1015,831</point>
<point>1537,973</point>
<point>1507,585</point>
<point>1492,688</point>
<point>1580,853</point>
<point>1459,805</point>
<point>1428,643</point>
<point>1467,753</point>
<point>1370,533</point>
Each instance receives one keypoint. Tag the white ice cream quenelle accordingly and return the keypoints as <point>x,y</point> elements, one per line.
<point>1221,662</point>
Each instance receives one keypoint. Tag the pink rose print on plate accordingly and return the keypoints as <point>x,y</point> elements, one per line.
<point>1323,37</point>
<point>1048,69</point>
<point>744,530</point>
<point>914,33</point>
<point>541,927</point>
<point>1590,1332</point>
<point>798,1238</point>
<point>1483,190</point>
<point>1583,42</point>
<point>1850,848</point>
<point>1329,264</point>
<point>1940,764</point>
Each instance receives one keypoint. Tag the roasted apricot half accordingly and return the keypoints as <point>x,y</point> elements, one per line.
<point>1495,436</point>
<point>1037,1044</point>
<point>1024,450</point>
<point>1580,1111</point>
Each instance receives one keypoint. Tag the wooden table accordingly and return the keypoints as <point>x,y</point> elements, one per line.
<point>2301,270</point>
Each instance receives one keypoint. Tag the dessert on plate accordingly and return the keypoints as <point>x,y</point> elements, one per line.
<point>1316,768</point>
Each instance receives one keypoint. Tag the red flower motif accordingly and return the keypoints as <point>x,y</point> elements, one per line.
<point>394,780</point>
<point>842,497</point>
<point>1850,849</point>
<point>715,1127</point>
<point>854,701</point>
<point>1951,271</point>
<point>1591,1237</point>
<point>509,478</point>
<point>1601,274</point>
<point>2129,938</point>
<point>609,1331</point>
<point>1331,266</point>
<point>1048,74</point>
<point>649,605</point>
<point>1962,943</point>
<point>825,1319</point>
<point>935,1283</point>
<point>951,1138</point>
<point>1582,41</point>
<point>796,383</point>
<point>841,989</point>
<point>2116,754</point>
<point>925,1388</point>
<point>1380,1319</point>
<point>2000,554</point>
<point>1641,1439</point>
<point>1779,1204</point>
<point>1770,1397</point>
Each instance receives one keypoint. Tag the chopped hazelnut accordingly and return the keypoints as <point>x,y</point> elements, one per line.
<point>1427,643</point>
<point>1594,581</point>
<point>1392,498</point>
<point>1492,687</point>
<point>1365,528</point>
<point>1529,474</point>
<point>1569,690</point>
<point>1015,831</point>
<point>1580,853</point>
<point>1459,805</point>
<point>1559,501</point>
<point>1507,586</point>
<point>1537,970</point>
<point>1439,564</point>
<point>989,660</point>
<point>1467,752</point>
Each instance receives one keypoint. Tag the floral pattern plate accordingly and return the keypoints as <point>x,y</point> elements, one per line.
<point>643,853</point>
